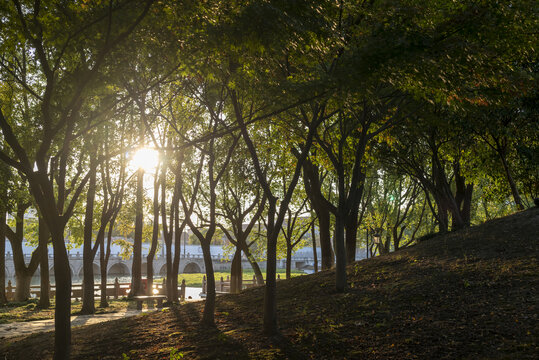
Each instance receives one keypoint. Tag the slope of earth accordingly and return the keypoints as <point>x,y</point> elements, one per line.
<point>470,294</point>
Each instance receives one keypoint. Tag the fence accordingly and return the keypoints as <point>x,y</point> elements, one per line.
<point>223,286</point>
<point>114,290</point>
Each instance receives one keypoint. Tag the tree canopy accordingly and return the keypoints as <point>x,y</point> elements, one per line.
<point>388,118</point>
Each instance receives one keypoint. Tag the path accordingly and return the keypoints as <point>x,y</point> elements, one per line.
<point>30,327</point>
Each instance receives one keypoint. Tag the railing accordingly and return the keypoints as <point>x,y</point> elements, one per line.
<point>223,286</point>
<point>114,290</point>
<point>117,256</point>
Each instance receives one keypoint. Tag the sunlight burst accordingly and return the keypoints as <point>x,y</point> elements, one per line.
<point>146,159</point>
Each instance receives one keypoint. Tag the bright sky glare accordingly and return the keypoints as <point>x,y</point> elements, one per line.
<point>146,159</point>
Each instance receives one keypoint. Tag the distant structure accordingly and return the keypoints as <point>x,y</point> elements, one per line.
<point>191,261</point>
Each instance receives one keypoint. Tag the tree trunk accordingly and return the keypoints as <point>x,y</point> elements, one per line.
<point>208,317</point>
<point>100,238</point>
<point>149,273</point>
<point>443,220</point>
<point>340,272</point>
<point>103,302</point>
<point>288,260</point>
<point>254,265</point>
<point>367,243</point>
<point>512,184</point>
<point>236,272</point>
<point>351,224</point>
<point>3,298</point>
<point>136,279</point>
<point>155,234</point>
<point>466,209</point>
<point>383,247</point>
<point>396,237</point>
<point>324,227</point>
<point>22,288</point>
<point>168,250</point>
<point>23,273</point>
<point>178,231</point>
<point>44,298</point>
<point>457,222</point>
<point>315,253</point>
<point>88,302</point>
<point>62,311</point>
<point>340,223</point>
<point>270,291</point>
<point>104,257</point>
<point>463,196</point>
<point>320,205</point>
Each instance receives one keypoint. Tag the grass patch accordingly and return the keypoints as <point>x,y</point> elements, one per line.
<point>29,310</point>
<point>195,280</point>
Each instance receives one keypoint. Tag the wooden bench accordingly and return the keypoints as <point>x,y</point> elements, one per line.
<point>140,299</point>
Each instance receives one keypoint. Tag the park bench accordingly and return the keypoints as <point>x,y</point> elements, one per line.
<point>141,298</point>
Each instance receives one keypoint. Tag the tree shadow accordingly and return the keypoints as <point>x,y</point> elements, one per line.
<point>207,342</point>
<point>231,340</point>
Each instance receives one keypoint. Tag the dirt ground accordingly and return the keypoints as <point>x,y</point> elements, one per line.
<point>471,294</point>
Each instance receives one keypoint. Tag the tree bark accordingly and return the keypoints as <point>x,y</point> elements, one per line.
<point>511,181</point>
<point>62,311</point>
<point>105,256</point>
<point>340,250</point>
<point>155,234</point>
<point>326,248</point>
<point>44,298</point>
<point>254,264</point>
<point>315,253</point>
<point>3,298</point>
<point>444,196</point>
<point>351,224</point>
<point>22,289</point>
<point>322,208</point>
<point>208,317</point>
<point>88,302</point>
<point>463,196</point>
<point>168,255</point>
<point>103,302</point>
<point>178,233</point>
<point>270,291</point>
<point>236,272</point>
<point>23,273</point>
<point>288,261</point>
<point>103,260</point>
<point>136,279</point>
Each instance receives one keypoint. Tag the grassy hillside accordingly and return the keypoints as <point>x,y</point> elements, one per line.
<point>471,294</point>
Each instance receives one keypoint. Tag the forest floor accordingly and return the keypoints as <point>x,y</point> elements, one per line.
<point>29,310</point>
<point>470,294</point>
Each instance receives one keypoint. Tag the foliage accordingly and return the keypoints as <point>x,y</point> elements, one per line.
<point>416,114</point>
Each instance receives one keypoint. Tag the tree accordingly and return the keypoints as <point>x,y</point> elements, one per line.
<point>241,204</point>
<point>65,47</point>
<point>112,203</point>
<point>180,116</point>
<point>313,181</point>
<point>257,63</point>
<point>4,178</point>
<point>23,272</point>
<point>43,243</point>
<point>431,150</point>
<point>89,251</point>
<point>294,228</point>
<point>218,154</point>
